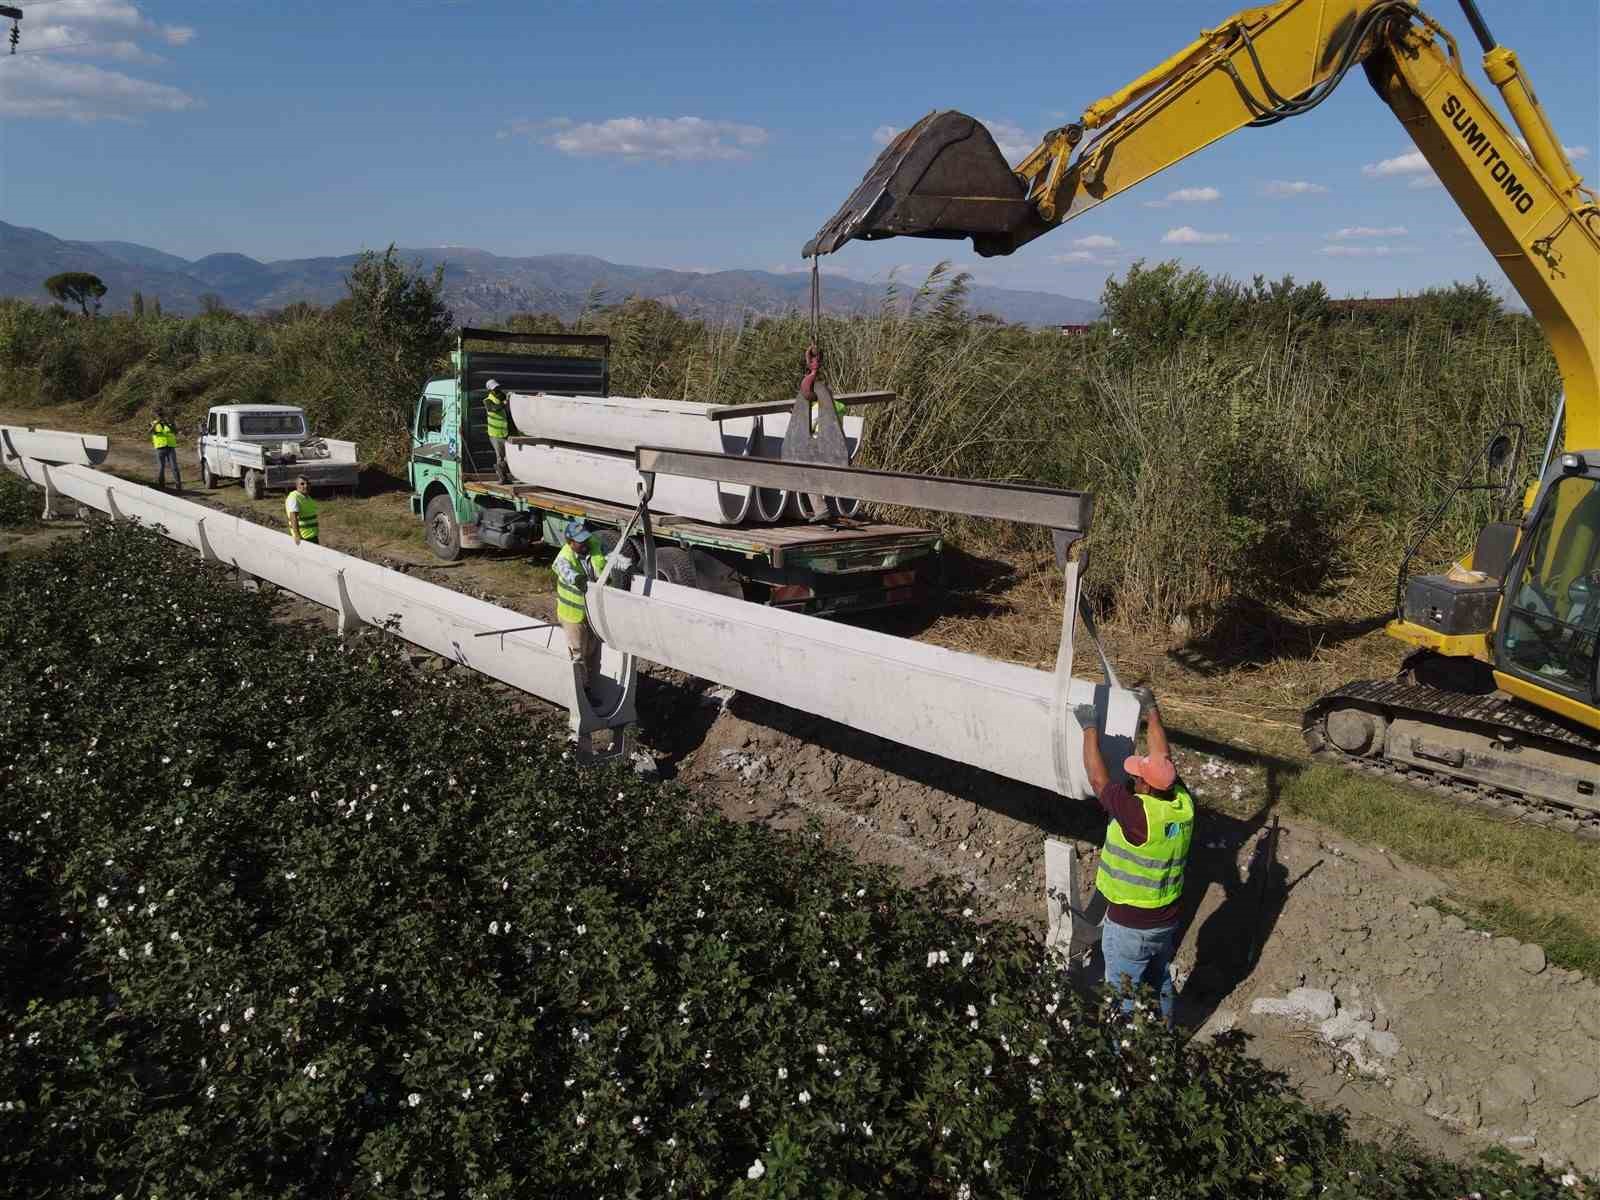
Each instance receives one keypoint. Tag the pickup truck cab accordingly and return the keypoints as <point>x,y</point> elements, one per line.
<point>267,446</point>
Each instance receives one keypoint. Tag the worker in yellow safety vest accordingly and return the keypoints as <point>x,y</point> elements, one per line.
<point>164,439</point>
<point>577,566</point>
<point>499,426</point>
<point>1142,861</point>
<point>302,512</point>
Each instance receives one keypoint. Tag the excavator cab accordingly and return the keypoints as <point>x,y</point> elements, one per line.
<point>942,178</point>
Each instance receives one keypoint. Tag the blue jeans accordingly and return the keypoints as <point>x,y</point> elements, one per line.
<point>166,455</point>
<point>1141,956</point>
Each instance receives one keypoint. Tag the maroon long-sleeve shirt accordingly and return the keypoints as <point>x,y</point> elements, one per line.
<point>1119,802</point>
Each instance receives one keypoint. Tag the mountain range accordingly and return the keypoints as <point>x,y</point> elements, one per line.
<point>478,286</point>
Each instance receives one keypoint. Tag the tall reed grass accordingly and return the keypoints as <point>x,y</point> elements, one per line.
<point>1245,444</point>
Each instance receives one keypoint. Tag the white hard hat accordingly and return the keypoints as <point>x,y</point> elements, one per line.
<point>492,384</point>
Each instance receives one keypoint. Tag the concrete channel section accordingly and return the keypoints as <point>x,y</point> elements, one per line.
<point>1015,721</point>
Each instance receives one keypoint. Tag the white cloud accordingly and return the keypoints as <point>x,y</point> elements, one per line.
<point>1423,183</point>
<point>1409,163</point>
<point>1188,195</point>
<point>664,139</point>
<point>1093,250</point>
<point>1576,153</point>
<point>41,87</point>
<point>1380,251</point>
<point>1014,141</point>
<point>1188,235</point>
<point>1284,188</point>
<point>47,83</point>
<point>1350,232</point>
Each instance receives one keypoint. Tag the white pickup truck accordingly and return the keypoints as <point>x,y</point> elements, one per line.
<point>267,446</point>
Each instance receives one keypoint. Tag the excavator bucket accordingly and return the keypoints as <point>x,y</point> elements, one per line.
<point>942,178</point>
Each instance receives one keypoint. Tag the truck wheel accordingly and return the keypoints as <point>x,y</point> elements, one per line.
<point>207,477</point>
<point>674,565</point>
<point>254,485</point>
<point>444,534</point>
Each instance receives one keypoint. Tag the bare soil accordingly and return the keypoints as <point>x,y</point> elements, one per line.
<point>1403,1016</point>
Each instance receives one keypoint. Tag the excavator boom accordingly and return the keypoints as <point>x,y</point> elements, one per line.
<point>1501,697</point>
<point>945,177</point>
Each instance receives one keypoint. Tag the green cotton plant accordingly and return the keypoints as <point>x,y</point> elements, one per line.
<point>21,504</point>
<point>286,916</point>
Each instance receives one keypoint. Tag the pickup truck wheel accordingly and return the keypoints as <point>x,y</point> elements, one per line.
<point>207,478</point>
<point>674,565</point>
<point>444,534</point>
<point>254,485</point>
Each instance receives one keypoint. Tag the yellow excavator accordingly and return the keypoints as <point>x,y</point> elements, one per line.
<point>1499,701</point>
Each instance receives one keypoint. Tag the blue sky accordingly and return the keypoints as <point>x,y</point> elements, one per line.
<point>703,136</point>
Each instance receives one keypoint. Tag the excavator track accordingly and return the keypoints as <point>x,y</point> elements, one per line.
<point>1456,765</point>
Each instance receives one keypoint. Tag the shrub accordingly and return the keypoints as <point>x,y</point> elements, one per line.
<point>20,503</point>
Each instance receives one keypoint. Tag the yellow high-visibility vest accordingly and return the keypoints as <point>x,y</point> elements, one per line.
<point>307,511</point>
<point>1149,875</point>
<point>571,583</point>
<point>495,406</point>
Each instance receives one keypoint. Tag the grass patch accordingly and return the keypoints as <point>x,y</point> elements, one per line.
<point>1495,865</point>
<point>1565,942</point>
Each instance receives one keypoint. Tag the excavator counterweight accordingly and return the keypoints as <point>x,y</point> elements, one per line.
<point>942,178</point>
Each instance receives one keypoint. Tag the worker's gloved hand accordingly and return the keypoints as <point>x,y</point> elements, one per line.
<point>1086,715</point>
<point>1146,698</point>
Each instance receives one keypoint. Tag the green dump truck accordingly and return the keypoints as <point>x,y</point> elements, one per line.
<point>845,566</point>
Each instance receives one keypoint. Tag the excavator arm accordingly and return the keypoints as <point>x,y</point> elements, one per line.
<point>945,178</point>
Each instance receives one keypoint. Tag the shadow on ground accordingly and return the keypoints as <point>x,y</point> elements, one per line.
<point>1249,635</point>
<point>972,587</point>
<point>1231,855</point>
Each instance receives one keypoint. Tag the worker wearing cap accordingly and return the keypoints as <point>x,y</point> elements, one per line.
<point>1143,859</point>
<point>499,424</point>
<point>579,564</point>
<point>302,512</point>
<point>164,439</point>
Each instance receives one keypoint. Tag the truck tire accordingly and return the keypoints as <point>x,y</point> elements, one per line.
<point>207,477</point>
<point>674,565</point>
<point>443,532</point>
<point>254,485</point>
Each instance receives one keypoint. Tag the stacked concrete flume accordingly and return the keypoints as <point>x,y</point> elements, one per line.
<point>585,445</point>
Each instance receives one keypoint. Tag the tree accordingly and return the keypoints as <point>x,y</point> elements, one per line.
<point>138,305</point>
<point>401,328</point>
<point>76,287</point>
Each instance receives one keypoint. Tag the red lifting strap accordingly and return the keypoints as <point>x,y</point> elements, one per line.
<point>813,365</point>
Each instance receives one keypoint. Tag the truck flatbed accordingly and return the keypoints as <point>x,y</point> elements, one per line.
<point>771,542</point>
